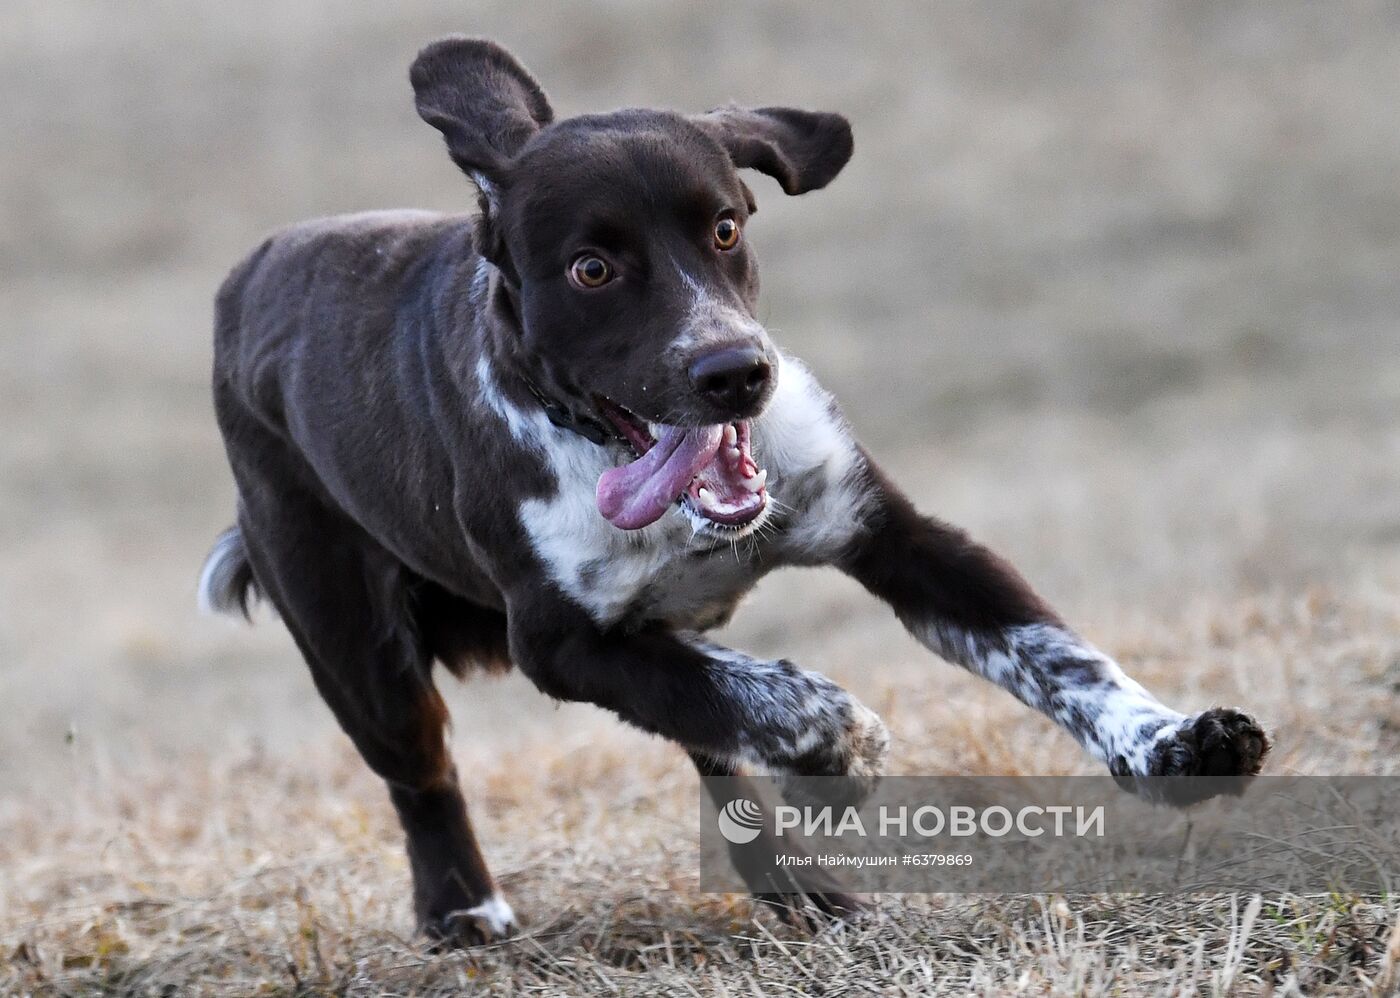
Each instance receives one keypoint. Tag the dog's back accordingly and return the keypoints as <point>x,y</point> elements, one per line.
<point>328,353</point>
<point>313,290</point>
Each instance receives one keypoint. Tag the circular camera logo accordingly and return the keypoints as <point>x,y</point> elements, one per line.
<point>740,821</point>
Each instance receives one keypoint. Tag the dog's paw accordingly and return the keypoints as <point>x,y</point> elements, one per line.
<point>866,747</point>
<point>1214,752</point>
<point>847,767</point>
<point>492,921</point>
<point>801,894</point>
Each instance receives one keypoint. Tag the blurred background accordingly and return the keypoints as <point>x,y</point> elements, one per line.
<point>1112,285</point>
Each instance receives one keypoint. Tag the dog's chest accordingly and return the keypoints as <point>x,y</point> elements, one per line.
<point>664,572</point>
<point>672,574</point>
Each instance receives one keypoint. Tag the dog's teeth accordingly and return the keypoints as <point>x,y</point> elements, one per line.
<point>734,454</point>
<point>731,435</point>
<point>705,495</point>
<point>755,482</point>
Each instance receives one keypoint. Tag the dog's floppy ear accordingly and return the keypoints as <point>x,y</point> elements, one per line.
<point>803,150</point>
<point>484,102</point>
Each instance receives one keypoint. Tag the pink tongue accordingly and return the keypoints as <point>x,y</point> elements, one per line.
<point>637,494</point>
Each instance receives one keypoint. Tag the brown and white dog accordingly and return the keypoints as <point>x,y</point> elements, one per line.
<point>535,436</point>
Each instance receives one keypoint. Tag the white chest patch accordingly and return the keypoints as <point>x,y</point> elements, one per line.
<point>669,571</point>
<point>814,468</point>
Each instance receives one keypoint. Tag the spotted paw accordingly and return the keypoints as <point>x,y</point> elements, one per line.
<point>492,921</point>
<point>845,770</point>
<point>866,747</point>
<point>1215,752</point>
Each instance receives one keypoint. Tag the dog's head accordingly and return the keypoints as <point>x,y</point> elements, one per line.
<point>624,269</point>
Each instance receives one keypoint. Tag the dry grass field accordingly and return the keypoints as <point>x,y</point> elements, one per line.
<point>1115,286</point>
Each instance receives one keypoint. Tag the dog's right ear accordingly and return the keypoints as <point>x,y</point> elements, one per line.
<point>482,101</point>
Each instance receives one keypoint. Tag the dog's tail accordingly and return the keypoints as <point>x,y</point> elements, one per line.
<point>226,583</point>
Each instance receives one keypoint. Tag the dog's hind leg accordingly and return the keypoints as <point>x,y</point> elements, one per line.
<point>798,901</point>
<point>351,610</point>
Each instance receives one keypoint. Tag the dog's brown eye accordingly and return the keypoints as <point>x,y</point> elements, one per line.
<point>590,272</point>
<point>726,233</point>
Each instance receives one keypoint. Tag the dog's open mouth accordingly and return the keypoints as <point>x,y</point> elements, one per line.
<point>709,469</point>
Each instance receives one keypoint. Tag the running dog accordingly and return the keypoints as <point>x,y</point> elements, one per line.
<point>536,436</point>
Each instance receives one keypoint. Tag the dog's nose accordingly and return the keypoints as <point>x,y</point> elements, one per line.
<point>734,379</point>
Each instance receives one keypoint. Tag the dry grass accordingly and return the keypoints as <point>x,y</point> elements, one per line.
<point>260,874</point>
<point>1113,285</point>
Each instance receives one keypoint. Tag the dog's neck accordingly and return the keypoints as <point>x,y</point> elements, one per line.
<point>562,416</point>
<point>521,377</point>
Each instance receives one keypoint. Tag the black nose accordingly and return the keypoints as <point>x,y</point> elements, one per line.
<point>734,378</point>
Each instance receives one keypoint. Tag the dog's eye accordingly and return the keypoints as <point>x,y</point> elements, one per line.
<point>590,271</point>
<point>726,234</point>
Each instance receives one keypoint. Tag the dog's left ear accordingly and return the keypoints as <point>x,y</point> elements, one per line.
<point>802,150</point>
<point>485,104</point>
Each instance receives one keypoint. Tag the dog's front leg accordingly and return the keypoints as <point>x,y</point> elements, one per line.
<point>972,608</point>
<point>716,702</point>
